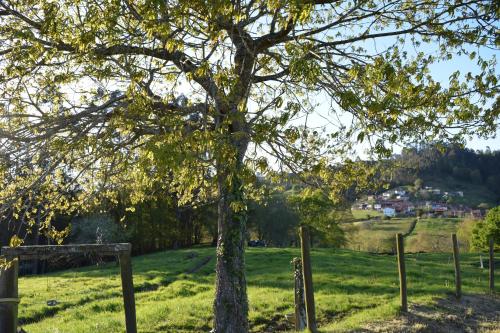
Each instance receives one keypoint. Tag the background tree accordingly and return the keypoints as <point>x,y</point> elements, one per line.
<point>209,91</point>
<point>316,210</point>
<point>273,220</point>
<point>489,228</point>
<point>417,185</point>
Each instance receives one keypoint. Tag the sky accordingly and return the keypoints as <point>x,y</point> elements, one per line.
<point>441,72</point>
<point>481,144</point>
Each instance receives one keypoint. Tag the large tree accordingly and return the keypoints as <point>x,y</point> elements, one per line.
<point>120,93</point>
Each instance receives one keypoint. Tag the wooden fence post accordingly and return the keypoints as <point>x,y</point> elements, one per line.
<point>456,259</point>
<point>402,272</point>
<point>307,274</point>
<point>492,266</point>
<point>300,307</point>
<point>128,291</point>
<point>9,297</point>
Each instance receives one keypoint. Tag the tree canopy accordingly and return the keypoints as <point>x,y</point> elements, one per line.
<point>196,96</point>
<point>488,229</point>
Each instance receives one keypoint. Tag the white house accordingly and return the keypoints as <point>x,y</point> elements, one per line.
<point>389,211</point>
<point>400,191</point>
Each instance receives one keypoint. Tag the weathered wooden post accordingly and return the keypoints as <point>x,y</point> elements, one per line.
<point>402,272</point>
<point>128,290</point>
<point>9,297</point>
<point>492,266</point>
<point>300,307</point>
<point>458,280</point>
<point>8,278</point>
<point>307,274</point>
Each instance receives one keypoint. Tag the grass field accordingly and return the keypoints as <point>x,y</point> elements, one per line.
<point>351,289</point>
<point>375,235</point>
<point>433,235</point>
<point>429,235</point>
<point>365,213</point>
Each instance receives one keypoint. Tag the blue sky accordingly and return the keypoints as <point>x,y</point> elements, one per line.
<point>441,71</point>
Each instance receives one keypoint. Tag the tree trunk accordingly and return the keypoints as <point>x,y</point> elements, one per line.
<point>231,303</point>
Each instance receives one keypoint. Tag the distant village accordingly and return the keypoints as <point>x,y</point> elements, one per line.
<point>428,202</point>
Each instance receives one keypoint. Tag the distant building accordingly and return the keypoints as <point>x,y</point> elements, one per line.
<point>377,206</point>
<point>389,211</point>
<point>439,208</point>
<point>476,214</point>
<point>453,212</point>
<point>400,192</point>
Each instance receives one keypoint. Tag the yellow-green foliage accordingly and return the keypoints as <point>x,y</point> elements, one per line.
<point>487,229</point>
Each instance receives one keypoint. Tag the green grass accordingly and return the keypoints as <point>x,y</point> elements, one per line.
<point>474,194</point>
<point>365,214</point>
<point>429,235</point>
<point>375,235</point>
<point>433,235</point>
<point>350,288</point>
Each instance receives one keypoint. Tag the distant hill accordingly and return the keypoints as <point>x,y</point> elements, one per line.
<point>451,168</point>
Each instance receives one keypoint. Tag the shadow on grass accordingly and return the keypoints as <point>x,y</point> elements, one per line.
<point>472,313</point>
<point>47,312</point>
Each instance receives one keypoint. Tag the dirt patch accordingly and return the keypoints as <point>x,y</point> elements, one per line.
<point>473,313</point>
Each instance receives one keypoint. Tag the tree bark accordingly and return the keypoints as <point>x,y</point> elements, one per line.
<point>231,303</point>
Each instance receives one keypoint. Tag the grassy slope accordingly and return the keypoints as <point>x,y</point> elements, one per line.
<point>433,234</point>
<point>351,288</point>
<point>429,235</point>
<point>376,235</point>
<point>474,194</point>
<point>365,214</point>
